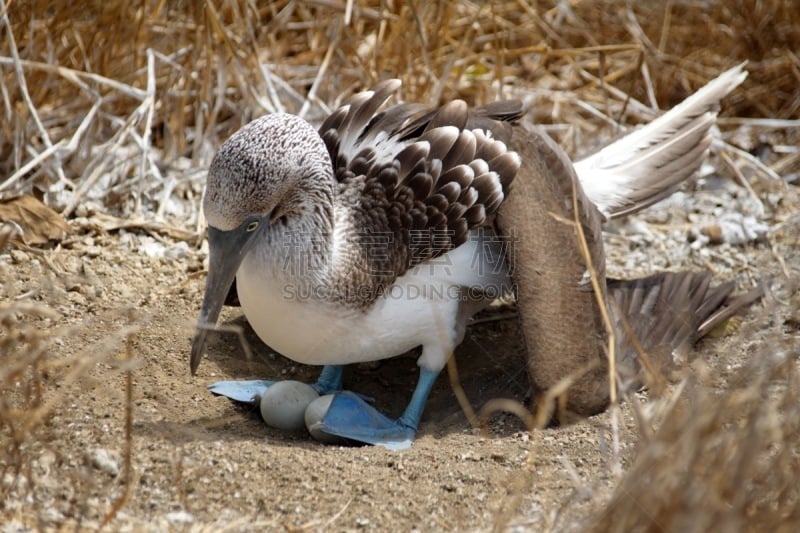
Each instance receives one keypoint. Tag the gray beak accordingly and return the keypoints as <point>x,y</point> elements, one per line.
<point>226,251</point>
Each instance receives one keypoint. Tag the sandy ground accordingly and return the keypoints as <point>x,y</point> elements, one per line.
<point>200,461</point>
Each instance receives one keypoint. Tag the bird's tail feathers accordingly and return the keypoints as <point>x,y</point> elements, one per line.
<point>648,164</point>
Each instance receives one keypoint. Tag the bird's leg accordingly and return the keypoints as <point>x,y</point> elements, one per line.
<point>345,414</point>
<point>413,413</point>
<point>330,379</point>
<point>251,391</point>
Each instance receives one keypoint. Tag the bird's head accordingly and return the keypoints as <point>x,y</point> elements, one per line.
<point>259,176</point>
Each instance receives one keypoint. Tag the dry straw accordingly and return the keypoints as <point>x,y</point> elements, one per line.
<point>112,109</point>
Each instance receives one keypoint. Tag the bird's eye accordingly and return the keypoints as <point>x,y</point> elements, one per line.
<point>251,227</point>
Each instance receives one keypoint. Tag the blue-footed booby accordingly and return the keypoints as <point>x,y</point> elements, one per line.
<point>375,234</point>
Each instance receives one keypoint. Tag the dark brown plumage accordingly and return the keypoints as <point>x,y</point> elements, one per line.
<point>444,180</point>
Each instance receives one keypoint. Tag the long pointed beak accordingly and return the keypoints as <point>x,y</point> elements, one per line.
<point>226,251</point>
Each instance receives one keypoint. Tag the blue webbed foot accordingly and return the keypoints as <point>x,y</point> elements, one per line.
<point>346,415</point>
<point>242,391</point>
<point>338,414</point>
<point>250,392</point>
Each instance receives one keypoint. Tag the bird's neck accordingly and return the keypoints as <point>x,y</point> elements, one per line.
<point>317,250</point>
<point>298,246</point>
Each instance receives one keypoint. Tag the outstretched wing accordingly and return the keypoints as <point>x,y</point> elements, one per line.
<point>419,176</point>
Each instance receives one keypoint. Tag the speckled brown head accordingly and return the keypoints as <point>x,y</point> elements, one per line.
<point>257,170</point>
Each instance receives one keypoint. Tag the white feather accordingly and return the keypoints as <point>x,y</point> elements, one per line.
<point>624,175</point>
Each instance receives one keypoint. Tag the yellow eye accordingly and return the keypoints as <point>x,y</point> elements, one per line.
<point>252,226</point>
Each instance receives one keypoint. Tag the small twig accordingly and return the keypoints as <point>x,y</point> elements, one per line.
<point>598,292</point>
<point>648,85</point>
<point>230,328</point>
<point>458,390</point>
<point>23,86</point>
<point>779,257</point>
<point>101,160</point>
<point>339,513</point>
<point>366,12</point>
<point>665,26</point>
<point>633,103</point>
<point>348,12</point>
<point>24,169</point>
<point>275,104</point>
<point>753,160</point>
<point>742,180</point>
<point>509,406</point>
<point>616,463</point>
<point>75,140</point>
<point>544,411</point>
<point>75,76</point>
<point>127,469</point>
<point>775,123</point>
<point>596,113</point>
<point>287,89</point>
<point>312,92</point>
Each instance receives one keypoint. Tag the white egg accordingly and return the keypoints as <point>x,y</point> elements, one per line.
<point>283,405</point>
<point>315,412</point>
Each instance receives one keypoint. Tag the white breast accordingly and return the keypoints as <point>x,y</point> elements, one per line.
<point>425,306</point>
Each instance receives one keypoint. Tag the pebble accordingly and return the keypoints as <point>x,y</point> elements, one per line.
<point>736,229</point>
<point>102,461</point>
<point>179,250</point>
<point>179,517</point>
<point>18,257</point>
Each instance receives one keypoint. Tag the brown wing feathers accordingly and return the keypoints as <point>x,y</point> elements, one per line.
<point>668,312</point>
<point>426,179</point>
<point>451,179</point>
<point>349,120</point>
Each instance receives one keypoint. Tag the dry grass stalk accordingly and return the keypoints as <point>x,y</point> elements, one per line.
<point>720,459</point>
<point>165,83</point>
<point>28,402</point>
